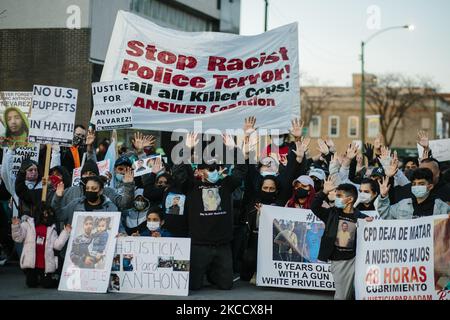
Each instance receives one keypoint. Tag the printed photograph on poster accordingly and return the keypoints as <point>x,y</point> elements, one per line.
<point>140,168</point>
<point>90,250</point>
<point>165,262</point>
<point>114,282</point>
<point>14,127</point>
<point>181,265</point>
<point>127,262</point>
<point>296,241</point>
<point>442,254</point>
<point>90,243</point>
<point>211,199</point>
<point>175,204</point>
<point>116,263</point>
<point>345,237</point>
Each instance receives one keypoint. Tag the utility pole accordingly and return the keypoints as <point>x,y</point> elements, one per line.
<point>265,14</point>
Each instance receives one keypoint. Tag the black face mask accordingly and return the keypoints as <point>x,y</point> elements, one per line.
<point>77,140</point>
<point>91,196</point>
<point>408,173</point>
<point>268,197</point>
<point>301,194</point>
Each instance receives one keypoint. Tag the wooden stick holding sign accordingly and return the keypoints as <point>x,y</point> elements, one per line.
<point>46,172</point>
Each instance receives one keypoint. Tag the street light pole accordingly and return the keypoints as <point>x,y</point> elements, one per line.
<point>363,79</point>
<point>265,14</point>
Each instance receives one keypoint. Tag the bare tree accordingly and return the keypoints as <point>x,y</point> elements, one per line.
<point>315,98</point>
<point>393,96</point>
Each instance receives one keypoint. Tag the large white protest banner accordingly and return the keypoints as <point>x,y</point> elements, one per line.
<point>90,251</point>
<point>440,149</point>
<point>53,115</point>
<point>151,265</point>
<point>22,153</point>
<point>112,105</point>
<point>220,79</point>
<point>403,259</point>
<point>288,249</point>
<point>16,99</point>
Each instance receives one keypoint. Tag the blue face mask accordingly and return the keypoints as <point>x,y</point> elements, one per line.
<point>420,191</point>
<point>339,203</point>
<point>268,173</point>
<point>213,177</point>
<point>119,177</point>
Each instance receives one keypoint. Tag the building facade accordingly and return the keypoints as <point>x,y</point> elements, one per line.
<point>337,115</point>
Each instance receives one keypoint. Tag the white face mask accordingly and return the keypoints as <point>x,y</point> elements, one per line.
<point>152,225</point>
<point>278,141</point>
<point>365,197</point>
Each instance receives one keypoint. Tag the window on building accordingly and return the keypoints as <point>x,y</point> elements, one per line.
<point>333,126</point>
<point>314,127</point>
<point>353,127</point>
<point>373,126</point>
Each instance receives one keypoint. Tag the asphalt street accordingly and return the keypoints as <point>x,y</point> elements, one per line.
<point>12,286</point>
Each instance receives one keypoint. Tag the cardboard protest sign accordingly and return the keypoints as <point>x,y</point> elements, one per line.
<point>151,265</point>
<point>288,247</point>
<point>15,109</point>
<point>22,153</point>
<point>90,251</point>
<point>53,115</point>
<point>16,99</point>
<point>439,148</point>
<point>112,105</point>
<point>403,259</point>
<point>103,167</point>
<point>177,77</point>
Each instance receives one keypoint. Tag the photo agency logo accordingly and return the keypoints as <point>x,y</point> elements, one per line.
<point>73,21</point>
<point>208,147</point>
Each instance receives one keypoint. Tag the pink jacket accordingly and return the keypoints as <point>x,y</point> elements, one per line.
<point>26,233</point>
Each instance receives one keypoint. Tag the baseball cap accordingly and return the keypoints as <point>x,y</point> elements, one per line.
<point>270,162</point>
<point>318,173</point>
<point>377,172</point>
<point>123,161</point>
<point>306,180</point>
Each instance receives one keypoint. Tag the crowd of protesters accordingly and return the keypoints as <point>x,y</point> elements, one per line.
<point>215,204</point>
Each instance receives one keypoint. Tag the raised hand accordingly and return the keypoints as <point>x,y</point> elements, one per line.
<point>297,128</point>
<point>60,189</point>
<point>128,176</point>
<point>329,184</point>
<point>393,167</point>
<point>323,148</point>
<point>377,143</point>
<point>352,151</point>
<point>138,142</point>
<point>157,165</point>
<point>368,151</point>
<point>330,143</point>
<point>149,141</point>
<point>385,153</point>
<point>249,125</point>
<point>68,228</point>
<point>384,187</point>
<point>228,141</point>
<point>90,137</point>
<point>301,149</point>
<point>422,139</point>
<point>192,140</point>
<point>15,220</point>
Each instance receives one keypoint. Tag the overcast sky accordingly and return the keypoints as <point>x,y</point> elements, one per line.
<point>330,33</point>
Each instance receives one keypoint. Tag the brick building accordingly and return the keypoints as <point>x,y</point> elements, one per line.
<point>337,115</point>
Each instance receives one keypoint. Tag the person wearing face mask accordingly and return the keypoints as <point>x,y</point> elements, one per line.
<point>122,201</point>
<point>154,225</point>
<point>267,196</point>
<point>318,176</point>
<point>279,143</point>
<point>338,242</point>
<point>368,193</point>
<point>410,164</point>
<point>71,157</point>
<point>40,238</point>
<point>303,193</point>
<point>423,202</point>
<point>93,199</point>
<point>134,219</point>
<point>211,225</point>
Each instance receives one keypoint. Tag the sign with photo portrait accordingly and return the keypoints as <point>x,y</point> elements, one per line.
<point>151,265</point>
<point>288,250</point>
<point>89,255</point>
